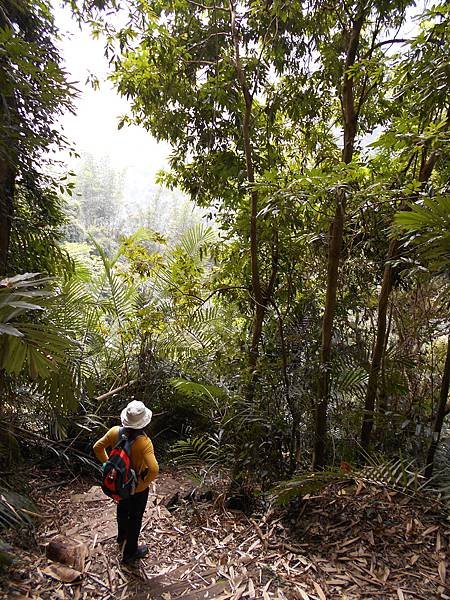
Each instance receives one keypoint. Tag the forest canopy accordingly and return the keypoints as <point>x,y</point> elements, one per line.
<point>298,319</point>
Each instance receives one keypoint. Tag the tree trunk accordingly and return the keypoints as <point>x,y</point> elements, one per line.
<point>7,172</point>
<point>440,415</point>
<point>6,212</point>
<point>293,445</point>
<point>350,119</point>
<point>383,406</point>
<point>334,254</point>
<point>380,343</point>
<point>257,325</point>
<point>261,295</point>
<point>383,300</point>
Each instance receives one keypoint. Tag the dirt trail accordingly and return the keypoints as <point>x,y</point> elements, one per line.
<point>180,562</point>
<point>351,542</point>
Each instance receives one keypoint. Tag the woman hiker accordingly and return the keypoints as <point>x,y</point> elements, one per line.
<point>135,417</point>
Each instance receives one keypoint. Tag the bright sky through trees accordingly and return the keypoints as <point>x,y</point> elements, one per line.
<point>94,128</point>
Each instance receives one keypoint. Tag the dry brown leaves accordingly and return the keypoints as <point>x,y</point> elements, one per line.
<point>350,542</point>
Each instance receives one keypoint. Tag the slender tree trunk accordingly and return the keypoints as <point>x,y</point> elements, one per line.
<point>334,253</point>
<point>260,296</point>
<point>440,415</point>
<point>6,212</point>
<point>383,401</point>
<point>350,118</point>
<point>293,446</point>
<point>260,305</point>
<point>258,299</point>
<point>383,301</point>
<point>257,327</point>
<point>7,173</point>
<point>380,343</point>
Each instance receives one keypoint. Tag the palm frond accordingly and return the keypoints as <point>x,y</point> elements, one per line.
<point>197,390</point>
<point>197,239</point>
<point>202,458</point>
<point>348,380</point>
<point>399,474</point>
<point>349,376</point>
<point>25,343</point>
<point>428,227</point>
<point>304,483</point>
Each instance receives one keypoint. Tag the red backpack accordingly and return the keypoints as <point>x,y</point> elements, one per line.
<point>119,478</point>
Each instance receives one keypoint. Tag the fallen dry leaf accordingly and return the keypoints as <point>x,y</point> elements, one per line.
<point>251,589</point>
<point>62,573</point>
<point>354,542</point>
<point>442,570</point>
<point>302,593</point>
<point>319,591</point>
<point>72,553</point>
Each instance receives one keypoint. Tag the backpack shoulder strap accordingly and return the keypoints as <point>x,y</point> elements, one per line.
<point>120,436</point>
<point>131,437</point>
<point>135,436</point>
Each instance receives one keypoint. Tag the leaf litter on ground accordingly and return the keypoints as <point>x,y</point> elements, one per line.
<point>352,541</point>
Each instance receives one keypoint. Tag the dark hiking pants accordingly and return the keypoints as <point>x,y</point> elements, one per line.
<point>129,521</point>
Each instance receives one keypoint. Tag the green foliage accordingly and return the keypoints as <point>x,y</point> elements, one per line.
<point>197,390</point>
<point>251,97</point>
<point>41,95</point>
<point>95,208</point>
<point>197,241</point>
<point>202,457</point>
<point>428,226</point>
<point>49,342</point>
<point>399,474</point>
<point>37,232</point>
<point>198,451</point>
<point>304,483</point>
<point>35,93</point>
<point>87,263</point>
<point>25,343</point>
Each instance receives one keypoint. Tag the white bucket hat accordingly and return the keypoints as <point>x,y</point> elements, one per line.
<point>136,415</point>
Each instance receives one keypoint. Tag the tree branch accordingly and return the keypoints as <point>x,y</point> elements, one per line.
<point>393,41</point>
<point>204,7</point>
<point>115,390</point>
<point>207,38</point>
<point>248,99</point>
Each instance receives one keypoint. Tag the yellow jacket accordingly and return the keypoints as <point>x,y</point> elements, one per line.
<point>142,456</point>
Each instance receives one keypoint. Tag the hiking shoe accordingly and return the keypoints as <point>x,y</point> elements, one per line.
<point>140,553</point>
